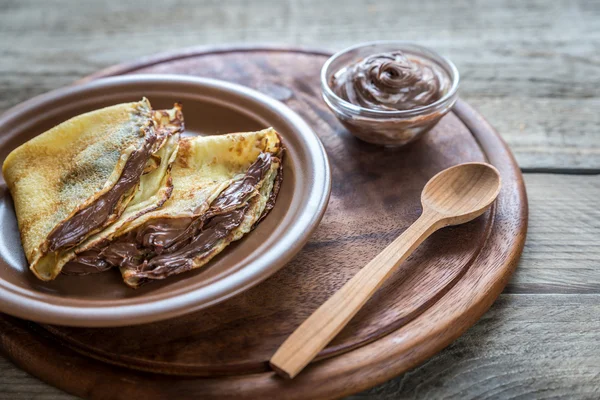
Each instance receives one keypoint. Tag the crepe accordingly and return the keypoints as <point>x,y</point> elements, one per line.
<point>100,168</point>
<point>222,187</point>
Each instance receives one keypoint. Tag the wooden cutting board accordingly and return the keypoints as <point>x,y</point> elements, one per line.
<point>223,351</point>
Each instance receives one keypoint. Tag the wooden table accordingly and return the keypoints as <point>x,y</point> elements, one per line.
<point>531,67</point>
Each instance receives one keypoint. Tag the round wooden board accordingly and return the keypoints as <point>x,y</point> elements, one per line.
<point>433,297</point>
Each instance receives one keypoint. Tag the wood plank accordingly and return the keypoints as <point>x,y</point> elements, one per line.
<point>526,346</point>
<point>531,67</point>
<point>550,339</point>
<point>16,384</point>
<point>546,133</point>
<point>562,251</point>
<point>559,256</point>
<point>524,65</point>
<point>535,346</point>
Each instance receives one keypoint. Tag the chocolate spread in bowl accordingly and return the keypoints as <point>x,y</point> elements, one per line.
<point>397,94</point>
<point>391,82</point>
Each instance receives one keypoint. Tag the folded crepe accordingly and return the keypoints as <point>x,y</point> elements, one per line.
<point>222,187</point>
<point>98,169</point>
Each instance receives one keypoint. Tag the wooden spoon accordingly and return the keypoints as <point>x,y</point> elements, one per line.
<point>454,196</point>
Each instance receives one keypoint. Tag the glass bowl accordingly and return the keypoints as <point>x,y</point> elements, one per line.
<point>390,128</point>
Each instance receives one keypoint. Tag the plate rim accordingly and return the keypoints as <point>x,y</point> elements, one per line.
<point>14,302</point>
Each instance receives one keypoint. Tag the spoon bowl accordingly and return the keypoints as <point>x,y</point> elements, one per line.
<point>461,193</point>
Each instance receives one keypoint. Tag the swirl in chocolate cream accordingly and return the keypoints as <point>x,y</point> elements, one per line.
<point>391,82</point>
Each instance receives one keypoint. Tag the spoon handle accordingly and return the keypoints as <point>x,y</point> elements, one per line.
<point>329,319</point>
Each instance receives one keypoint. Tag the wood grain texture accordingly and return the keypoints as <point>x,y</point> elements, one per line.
<point>562,252</point>
<point>525,347</point>
<point>513,352</point>
<point>360,215</point>
<point>365,190</point>
<point>453,280</point>
<point>531,67</point>
<point>370,205</point>
<point>528,345</point>
<point>509,354</point>
<point>454,196</point>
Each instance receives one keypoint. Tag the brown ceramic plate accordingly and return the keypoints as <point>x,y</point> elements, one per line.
<point>210,107</point>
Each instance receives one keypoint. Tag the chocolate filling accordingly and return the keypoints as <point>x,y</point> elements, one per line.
<point>213,230</point>
<point>94,216</point>
<point>168,246</point>
<point>144,160</point>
